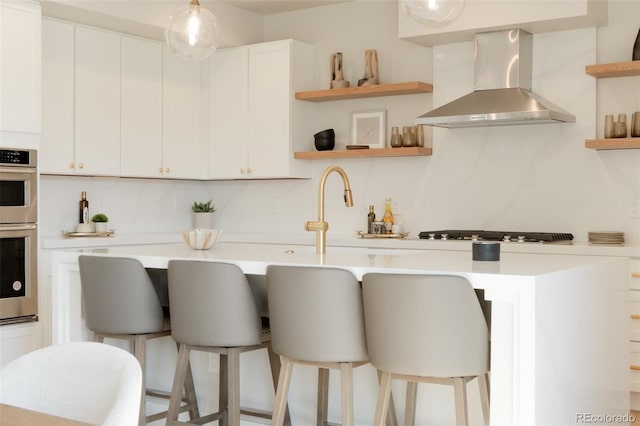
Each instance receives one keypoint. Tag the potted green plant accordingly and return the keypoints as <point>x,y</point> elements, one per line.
<point>203,214</point>
<point>100,221</point>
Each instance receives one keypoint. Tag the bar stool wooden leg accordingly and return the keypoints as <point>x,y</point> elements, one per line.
<point>274,362</point>
<point>460,393</point>
<point>223,398</point>
<point>233,383</point>
<point>346,387</point>
<point>384,394</point>
<point>323,396</point>
<point>391,415</point>
<point>282,391</point>
<point>410,408</point>
<point>140,352</point>
<point>483,382</point>
<point>178,380</point>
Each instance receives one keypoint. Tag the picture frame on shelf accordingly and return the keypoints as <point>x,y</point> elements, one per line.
<point>369,128</point>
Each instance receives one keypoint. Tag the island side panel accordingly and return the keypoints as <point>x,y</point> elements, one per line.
<point>581,344</point>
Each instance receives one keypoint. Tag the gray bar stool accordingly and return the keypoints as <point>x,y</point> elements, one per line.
<point>316,320</point>
<point>120,302</point>
<point>213,310</point>
<point>426,328</point>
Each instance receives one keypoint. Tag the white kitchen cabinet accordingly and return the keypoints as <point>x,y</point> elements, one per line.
<point>181,136</point>
<point>255,123</point>
<point>490,15</point>
<point>20,74</point>
<point>141,108</point>
<point>17,340</point>
<point>56,145</point>
<point>97,102</point>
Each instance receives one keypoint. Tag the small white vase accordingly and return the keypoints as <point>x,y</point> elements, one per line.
<point>203,220</point>
<point>101,226</point>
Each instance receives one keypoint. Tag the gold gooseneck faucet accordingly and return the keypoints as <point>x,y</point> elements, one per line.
<point>320,226</point>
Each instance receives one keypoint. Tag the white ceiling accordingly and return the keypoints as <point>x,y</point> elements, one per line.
<point>268,7</point>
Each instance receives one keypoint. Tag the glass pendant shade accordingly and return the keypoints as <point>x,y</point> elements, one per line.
<point>193,33</point>
<point>433,13</point>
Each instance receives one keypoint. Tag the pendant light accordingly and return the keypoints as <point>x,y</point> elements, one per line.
<point>193,33</point>
<point>433,13</point>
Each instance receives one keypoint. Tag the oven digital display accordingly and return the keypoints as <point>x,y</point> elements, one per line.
<point>12,267</point>
<point>14,157</point>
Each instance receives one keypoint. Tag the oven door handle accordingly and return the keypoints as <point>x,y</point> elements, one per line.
<point>17,170</point>
<point>20,227</point>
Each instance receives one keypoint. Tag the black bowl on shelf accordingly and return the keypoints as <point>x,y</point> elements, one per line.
<point>325,140</point>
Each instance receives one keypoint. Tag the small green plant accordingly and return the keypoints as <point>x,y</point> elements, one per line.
<point>203,207</point>
<point>99,218</point>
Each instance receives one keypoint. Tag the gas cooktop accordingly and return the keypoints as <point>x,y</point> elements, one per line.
<point>477,235</point>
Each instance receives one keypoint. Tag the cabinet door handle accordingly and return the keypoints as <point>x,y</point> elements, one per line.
<point>249,170</point>
<point>635,275</point>
<point>635,367</point>
<point>72,165</point>
<point>160,169</point>
<point>167,170</point>
<point>81,165</point>
<point>635,316</point>
<point>241,171</point>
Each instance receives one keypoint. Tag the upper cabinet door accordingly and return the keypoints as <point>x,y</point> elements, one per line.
<point>228,120</point>
<point>270,99</point>
<point>20,73</point>
<point>141,108</point>
<point>56,143</point>
<point>181,143</point>
<point>97,102</point>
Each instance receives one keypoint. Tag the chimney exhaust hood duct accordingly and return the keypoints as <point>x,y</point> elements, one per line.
<point>502,95</point>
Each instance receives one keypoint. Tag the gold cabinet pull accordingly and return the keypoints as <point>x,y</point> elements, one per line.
<point>81,165</point>
<point>249,170</point>
<point>72,165</point>
<point>160,169</point>
<point>635,275</point>
<point>241,171</point>
<point>167,170</point>
<point>634,367</point>
<point>635,316</point>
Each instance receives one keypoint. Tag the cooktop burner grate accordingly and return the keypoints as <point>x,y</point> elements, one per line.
<point>456,234</point>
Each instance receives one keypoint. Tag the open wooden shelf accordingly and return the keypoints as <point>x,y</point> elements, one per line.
<point>613,143</point>
<point>365,153</point>
<point>617,69</point>
<point>389,89</point>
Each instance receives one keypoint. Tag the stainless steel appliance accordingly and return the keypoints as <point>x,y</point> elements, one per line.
<point>502,95</point>
<point>479,235</point>
<point>18,236</point>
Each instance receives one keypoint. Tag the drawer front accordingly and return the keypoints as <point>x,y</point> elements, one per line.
<point>634,364</point>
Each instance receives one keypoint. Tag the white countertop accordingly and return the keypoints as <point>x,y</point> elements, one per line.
<point>253,258</point>
<point>308,238</point>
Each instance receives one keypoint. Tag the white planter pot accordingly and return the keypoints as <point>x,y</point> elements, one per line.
<point>203,220</point>
<point>101,226</point>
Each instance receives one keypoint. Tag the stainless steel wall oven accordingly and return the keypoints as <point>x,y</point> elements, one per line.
<point>18,236</point>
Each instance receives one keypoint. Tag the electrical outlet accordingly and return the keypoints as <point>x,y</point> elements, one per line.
<point>634,208</point>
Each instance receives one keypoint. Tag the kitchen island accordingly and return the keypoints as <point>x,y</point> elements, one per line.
<point>559,324</point>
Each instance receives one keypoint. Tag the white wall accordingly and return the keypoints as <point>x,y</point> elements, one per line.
<point>530,178</point>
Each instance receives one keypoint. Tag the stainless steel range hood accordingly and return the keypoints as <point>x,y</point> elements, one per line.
<point>502,96</point>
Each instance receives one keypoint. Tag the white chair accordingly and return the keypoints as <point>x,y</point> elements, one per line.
<point>425,328</point>
<point>84,381</point>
